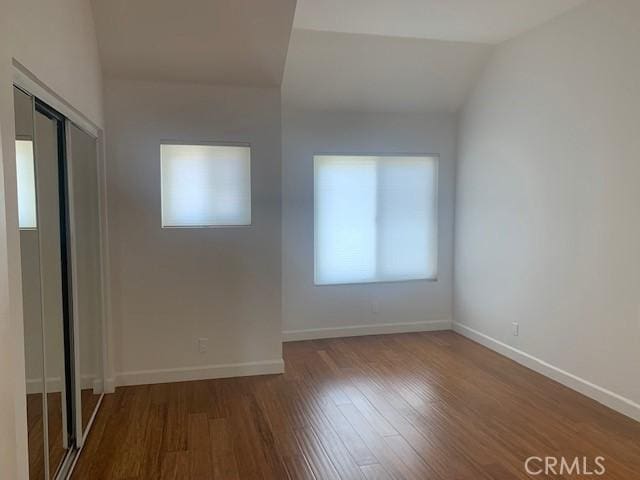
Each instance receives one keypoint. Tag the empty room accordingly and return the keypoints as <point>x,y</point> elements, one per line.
<point>319,239</point>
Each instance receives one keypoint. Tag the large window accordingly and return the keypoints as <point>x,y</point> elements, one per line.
<point>205,185</point>
<point>375,218</point>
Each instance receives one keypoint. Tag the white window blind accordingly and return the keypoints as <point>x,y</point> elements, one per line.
<point>26,177</point>
<point>205,185</point>
<point>375,218</point>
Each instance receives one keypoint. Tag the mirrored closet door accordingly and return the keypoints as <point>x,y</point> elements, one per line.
<point>84,212</point>
<point>59,221</point>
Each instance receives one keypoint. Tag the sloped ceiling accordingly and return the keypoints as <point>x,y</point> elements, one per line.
<point>241,42</point>
<point>399,55</point>
<point>342,71</point>
<point>483,21</point>
<point>357,55</point>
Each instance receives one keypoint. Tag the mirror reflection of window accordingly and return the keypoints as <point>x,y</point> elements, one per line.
<point>25,173</point>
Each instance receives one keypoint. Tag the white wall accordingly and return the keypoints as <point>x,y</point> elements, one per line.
<point>172,286</point>
<point>346,309</point>
<point>547,225</point>
<point>56,42</point>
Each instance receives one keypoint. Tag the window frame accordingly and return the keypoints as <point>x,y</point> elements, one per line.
<point>208,143</point>
<point>436,158</point>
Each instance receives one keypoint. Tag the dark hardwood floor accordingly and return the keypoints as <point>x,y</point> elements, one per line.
<point>408,406</point>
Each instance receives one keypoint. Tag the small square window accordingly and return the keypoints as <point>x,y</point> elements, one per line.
<point>205,185</point>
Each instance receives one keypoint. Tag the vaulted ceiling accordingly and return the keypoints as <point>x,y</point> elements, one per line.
<point>483,21</point>
<point>342,71</point>
<point>242,42</point>
<point>399,55</point>
<point>358,55</point>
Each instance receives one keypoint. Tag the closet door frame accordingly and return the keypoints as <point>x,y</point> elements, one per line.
<point>43,368</point>
<point>29,83</point>
<point>68,401</point>
<point>80,433</point>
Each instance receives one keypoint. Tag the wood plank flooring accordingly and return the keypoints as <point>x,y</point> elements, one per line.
<point>35,427</point>
<point>35,430</point>
<point>409,406</point>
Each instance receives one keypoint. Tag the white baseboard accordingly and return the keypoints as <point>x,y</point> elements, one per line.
<point>97,386</point>
<point>205,372</point>
<point>54,384</point>
<point>34,385</point>
<point>109,385</point>
<point>595,392</point>
<point>90,381</point>
<point>359,330</point>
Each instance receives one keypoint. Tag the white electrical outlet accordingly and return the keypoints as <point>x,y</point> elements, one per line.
<point>516,328</point>
<point>203,345</point>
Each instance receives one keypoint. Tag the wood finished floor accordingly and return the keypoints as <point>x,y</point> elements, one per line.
<point>35,427</point>
<point>408,406</point>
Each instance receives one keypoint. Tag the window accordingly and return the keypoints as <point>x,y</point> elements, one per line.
<point>25,173</point>
<point>205,185</point>
<point>375,218</point>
